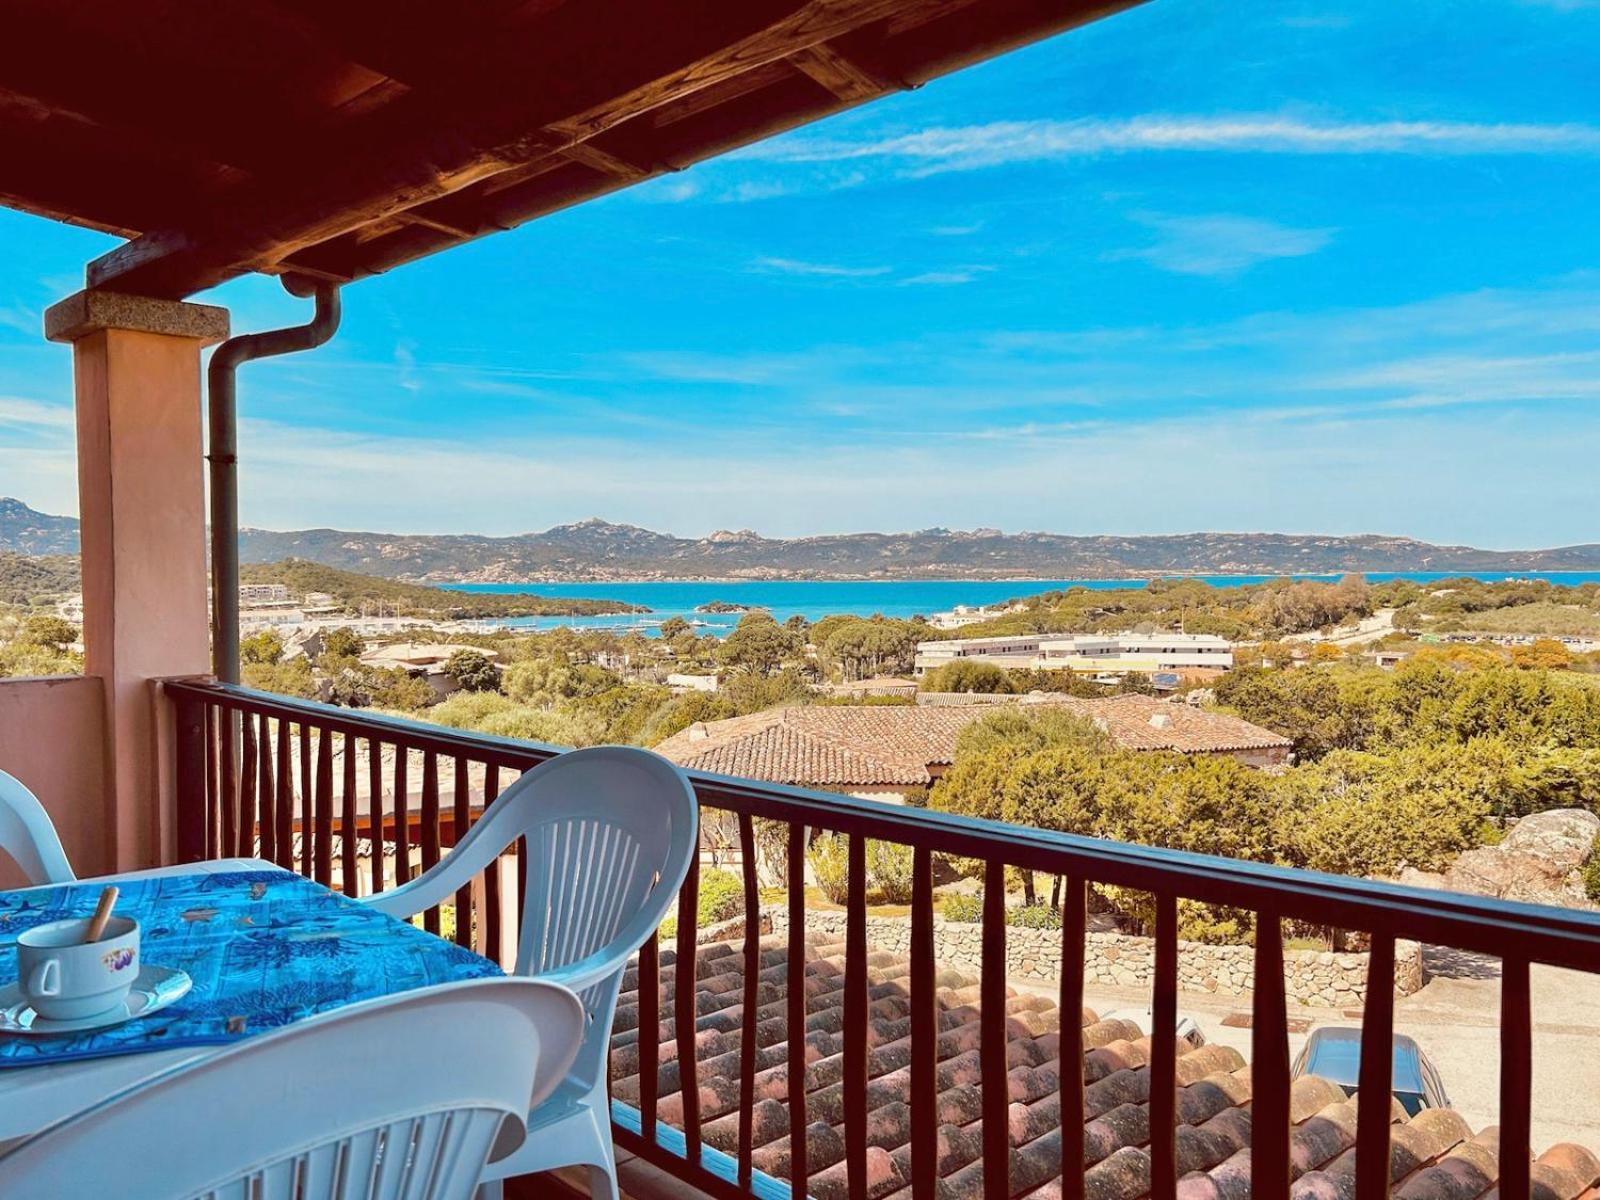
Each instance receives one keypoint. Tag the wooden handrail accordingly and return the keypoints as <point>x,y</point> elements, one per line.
<point>1542,933</point>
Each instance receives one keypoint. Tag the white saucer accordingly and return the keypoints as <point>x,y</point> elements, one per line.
<point>153,990</point>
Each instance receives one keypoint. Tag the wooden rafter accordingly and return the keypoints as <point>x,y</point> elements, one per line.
<point>341,139</point>
<point>379,178</point>
<point>846,79</point>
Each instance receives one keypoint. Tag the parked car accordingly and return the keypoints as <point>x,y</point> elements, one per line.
<point>1144,1018</point>
<point>1334,1053</point>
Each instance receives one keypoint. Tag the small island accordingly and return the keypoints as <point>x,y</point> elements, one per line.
<point>727,606</point>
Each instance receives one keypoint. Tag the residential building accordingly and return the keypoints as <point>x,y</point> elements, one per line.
<point>889,751</point>
<point>1116,653</point>
<point>263,593</point>
<point>424,660</point>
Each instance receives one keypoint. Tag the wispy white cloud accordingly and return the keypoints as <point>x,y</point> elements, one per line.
<point>15,411</point>
<point>1000,142</point>
<point>956,230</point>
<point>1220,244</point>
<point>794,266</point>
<point>23,320</point>
<point>944,278</point>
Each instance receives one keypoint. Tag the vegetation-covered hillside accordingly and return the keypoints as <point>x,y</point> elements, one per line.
<point>27,580</point>
<point>353,590</point>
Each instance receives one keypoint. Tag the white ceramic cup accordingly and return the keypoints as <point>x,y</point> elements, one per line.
<point>66,978</point>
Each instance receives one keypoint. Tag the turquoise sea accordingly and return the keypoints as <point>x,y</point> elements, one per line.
<point>815,599</point>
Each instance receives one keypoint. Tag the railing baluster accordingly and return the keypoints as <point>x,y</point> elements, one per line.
<point>375,810</point>
<point>1516,1077</point>
<point>324,808</point>
<point>285,799</point>
<point>1164,1054</point>
<point>1074,925</point>
<point>795,973</point>
<point>247,785</point>
<point>747,1027</point>
<point>1376,1073</point>
<point>402,816</point>
<point>924,1001</point>
<point>995,1098</point>
<point>306,865</point>
<point>1269,1066</point>
<point>491,880</point>
<point>237,781</point>
<point>229,795</point>
<point>649,1033</point>
<point>855,1019</point>
<point>190,778</point>
<point>684,982</point>
<point>267,793</point>
<point>213,787</point>
<point>349,823</point>
<point>430,828</point>
<point>460,815</point>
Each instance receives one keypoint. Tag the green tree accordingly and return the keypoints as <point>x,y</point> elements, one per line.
<point>672,627</point>
<point>52,633</point>
<point>472,671</point>
<point>265,647</point>
<point>968,675</point>
<point>343,642</point>
<point>758,644</point>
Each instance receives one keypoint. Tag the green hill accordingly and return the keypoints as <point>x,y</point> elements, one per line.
<point>25,579</point>
<point>352,590</point>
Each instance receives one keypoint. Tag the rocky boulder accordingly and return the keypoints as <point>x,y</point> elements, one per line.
<point>1540,861</point>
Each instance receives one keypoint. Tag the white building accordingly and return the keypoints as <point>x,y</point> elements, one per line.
<point>263,593</point>
<point>1109,653</point>
<point>967,614</point>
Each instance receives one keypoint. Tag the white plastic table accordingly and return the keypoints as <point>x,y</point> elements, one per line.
<point>33,1097</point>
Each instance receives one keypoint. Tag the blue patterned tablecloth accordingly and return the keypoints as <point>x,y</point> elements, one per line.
<point>265,948</point>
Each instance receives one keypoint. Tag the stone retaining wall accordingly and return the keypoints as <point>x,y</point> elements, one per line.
<point>1323,979</point>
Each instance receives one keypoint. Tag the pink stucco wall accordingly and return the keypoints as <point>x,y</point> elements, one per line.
<point>52,737</point>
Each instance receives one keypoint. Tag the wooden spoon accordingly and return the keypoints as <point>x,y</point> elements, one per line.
<point>102,915</point>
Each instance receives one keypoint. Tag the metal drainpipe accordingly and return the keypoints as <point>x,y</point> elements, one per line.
<point>223,447</point>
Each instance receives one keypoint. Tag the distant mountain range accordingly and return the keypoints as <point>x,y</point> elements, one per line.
<point>598,550</point>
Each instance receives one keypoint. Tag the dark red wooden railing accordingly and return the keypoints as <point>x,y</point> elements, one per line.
<point>236,797</point>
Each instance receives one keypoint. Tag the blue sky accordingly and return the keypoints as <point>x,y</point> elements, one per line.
<point>1304,267</point>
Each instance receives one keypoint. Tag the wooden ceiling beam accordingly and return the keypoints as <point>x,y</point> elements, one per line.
<point>606,163</point>
<point>482,129</point>
<point>845,78</point>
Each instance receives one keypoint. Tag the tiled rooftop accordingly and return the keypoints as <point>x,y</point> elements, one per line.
<point>899,746</point>
<point>1435,1156</point>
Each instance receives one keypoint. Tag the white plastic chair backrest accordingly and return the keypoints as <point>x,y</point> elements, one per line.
<point>610,834</point>
<point>402,1098</point>
<point>28,836</point>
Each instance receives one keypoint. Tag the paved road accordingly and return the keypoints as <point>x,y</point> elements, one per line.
<point>1455,1019</point>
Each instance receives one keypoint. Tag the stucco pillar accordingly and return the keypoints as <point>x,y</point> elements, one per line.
<point>136,372</point>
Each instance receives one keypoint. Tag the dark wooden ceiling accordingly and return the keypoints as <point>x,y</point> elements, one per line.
<point>340,138</point>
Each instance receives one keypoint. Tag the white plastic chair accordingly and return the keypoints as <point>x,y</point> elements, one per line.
<point>29,837</point>
<point>402,1098</point>
<point>610,834</point>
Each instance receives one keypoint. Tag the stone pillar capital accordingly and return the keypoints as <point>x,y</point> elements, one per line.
<point>93,310</point>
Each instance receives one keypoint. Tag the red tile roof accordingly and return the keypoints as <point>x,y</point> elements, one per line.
<point>898,746</point>
<point>1435,1155</point>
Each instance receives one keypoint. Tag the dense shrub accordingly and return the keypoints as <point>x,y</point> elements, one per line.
<point>962,907</point>
<point>721,898</point>
<point>1034,916</point>
<point>1591,873</point>
<point>889,870</point>
<point>829,857</point>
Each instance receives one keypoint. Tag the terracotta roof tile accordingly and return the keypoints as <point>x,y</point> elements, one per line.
<point>1435,1156</point>
<point>898,746</point>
